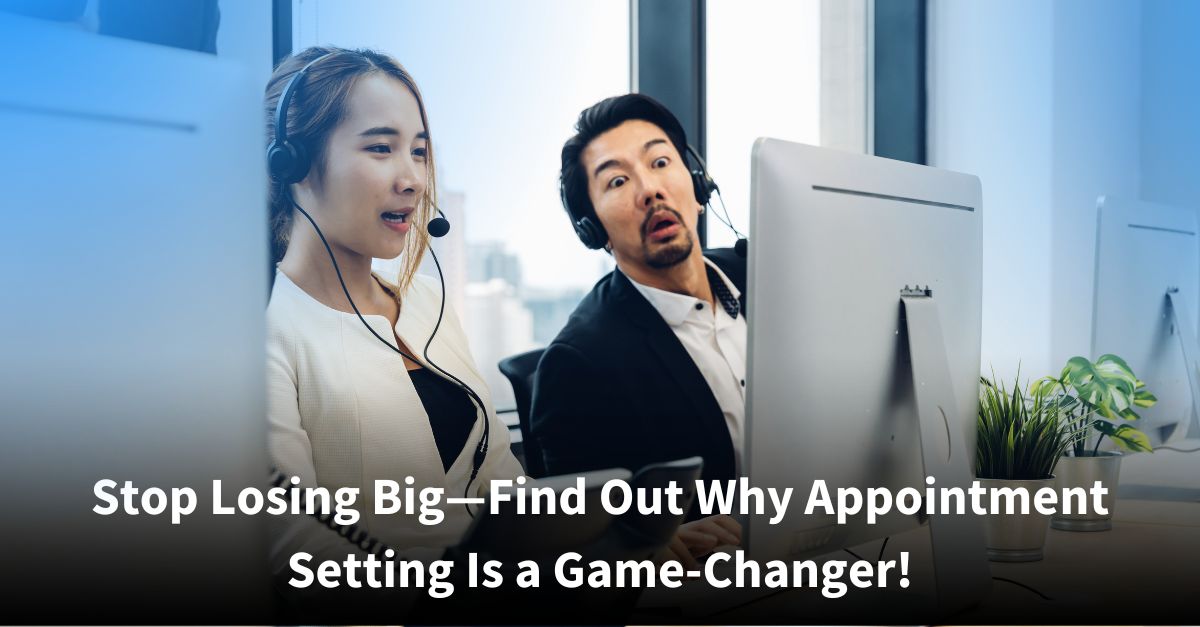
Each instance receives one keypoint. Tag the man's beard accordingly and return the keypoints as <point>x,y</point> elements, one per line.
<point>669,254</point>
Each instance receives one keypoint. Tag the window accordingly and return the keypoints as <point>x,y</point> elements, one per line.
<point>501,101</point>
<point>763,80</point>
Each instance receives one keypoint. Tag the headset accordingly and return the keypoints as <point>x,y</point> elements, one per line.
<point>288,163</point>
<point>591,232</point>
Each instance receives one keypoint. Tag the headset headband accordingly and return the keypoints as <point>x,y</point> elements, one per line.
<point>288,162</point>
<point>285,99</point>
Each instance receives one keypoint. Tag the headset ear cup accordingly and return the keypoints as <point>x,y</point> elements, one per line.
<point>702,186</point>
<point>288,162</point>
<point>278,161</point>
<point>581,233</point>
<point>588,230</point>
<point>299,163</point>
<point>591,233</point>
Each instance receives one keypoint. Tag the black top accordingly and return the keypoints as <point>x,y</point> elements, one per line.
<point>616,388</point>
<point>451,412</point>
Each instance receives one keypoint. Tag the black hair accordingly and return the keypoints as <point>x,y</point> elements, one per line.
<point>595,121</point>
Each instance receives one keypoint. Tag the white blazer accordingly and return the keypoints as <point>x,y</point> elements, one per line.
<point>343,412</point>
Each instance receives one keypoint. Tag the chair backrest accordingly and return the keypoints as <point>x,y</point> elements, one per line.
<point>519,370</point>
<point>654,531</point>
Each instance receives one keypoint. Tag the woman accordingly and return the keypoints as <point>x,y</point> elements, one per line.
<point>345,410</point>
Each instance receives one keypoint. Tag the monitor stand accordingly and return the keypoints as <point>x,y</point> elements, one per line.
<point>1188,343</point>
<point>961,571</point>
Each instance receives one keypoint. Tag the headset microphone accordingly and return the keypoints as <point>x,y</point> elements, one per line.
<point>439,226</point>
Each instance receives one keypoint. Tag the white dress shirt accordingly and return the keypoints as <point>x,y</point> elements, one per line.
<point>716,342</point>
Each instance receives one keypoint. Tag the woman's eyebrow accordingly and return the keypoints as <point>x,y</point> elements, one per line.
<point>379,130</point>
<point>387,130</point>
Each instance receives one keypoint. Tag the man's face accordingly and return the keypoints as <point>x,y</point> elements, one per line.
<point>642,192</point>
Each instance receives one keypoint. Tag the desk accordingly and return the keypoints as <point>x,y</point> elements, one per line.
<point>1147,566</point>
<point>1145,569</point>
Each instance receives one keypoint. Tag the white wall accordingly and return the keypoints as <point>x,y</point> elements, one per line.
<point>1053,104</point>
<point>245,34</point>
<point>1170,139</point>
<point>990,93</point>
<point>1096,150</point>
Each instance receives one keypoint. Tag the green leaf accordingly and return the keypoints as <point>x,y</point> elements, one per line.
<point>1143,398</point>
<point>1087,382</point>
<point>1132,440</point>
<point>1106,410</point>
<point>1067,403</point>
<point>1019,435</point>
<point>1107,428</point>
<point>1115,361</point>
<point>1116,373</point>
<point>1129,414</point>
<point>1042,386</point>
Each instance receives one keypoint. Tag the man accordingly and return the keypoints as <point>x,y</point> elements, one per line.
<point>651,365</point>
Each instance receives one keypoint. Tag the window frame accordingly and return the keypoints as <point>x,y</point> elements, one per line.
<point>667,59</point>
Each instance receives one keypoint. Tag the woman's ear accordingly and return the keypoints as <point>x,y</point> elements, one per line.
<point>302,191</point>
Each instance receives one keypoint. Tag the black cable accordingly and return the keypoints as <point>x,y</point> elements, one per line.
<point>1029,588</point>
<point>863,559</point>
<point>727,221</point>
<point>481,450</point>
<point>346,290</point>
<point>1177,450</point>
<point>352,533</point>
<point>484,442</point>
<point>1004,579</point>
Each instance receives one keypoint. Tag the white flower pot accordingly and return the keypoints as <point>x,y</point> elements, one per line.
<point>1084,472</point>
<point>1016,537</point>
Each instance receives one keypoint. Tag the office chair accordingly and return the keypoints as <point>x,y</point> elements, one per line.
<point>519,370</point>
<point>644,533</point>
<point>637,536</point>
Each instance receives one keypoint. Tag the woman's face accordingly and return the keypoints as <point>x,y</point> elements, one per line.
<point>375,170</point>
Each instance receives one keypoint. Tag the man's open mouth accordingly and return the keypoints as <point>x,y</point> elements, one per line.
<point>662,224</point>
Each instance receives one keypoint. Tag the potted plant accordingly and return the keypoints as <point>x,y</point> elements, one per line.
<point>1019,439</point>
<point>1098,400</point>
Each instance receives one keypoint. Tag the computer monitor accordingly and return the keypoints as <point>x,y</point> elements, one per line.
<point>135,284</point>
<point>1147,278</point>
<point>864,276</point>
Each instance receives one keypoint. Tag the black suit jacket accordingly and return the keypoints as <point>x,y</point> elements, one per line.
<point>616,388</point>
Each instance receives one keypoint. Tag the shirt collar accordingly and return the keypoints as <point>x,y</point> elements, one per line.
<point>675,308</point>
<point>724,279</point>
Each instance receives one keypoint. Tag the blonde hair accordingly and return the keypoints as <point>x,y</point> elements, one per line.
<point>316,108</point>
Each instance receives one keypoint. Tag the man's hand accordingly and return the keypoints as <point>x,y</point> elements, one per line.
<point>700,537</point>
